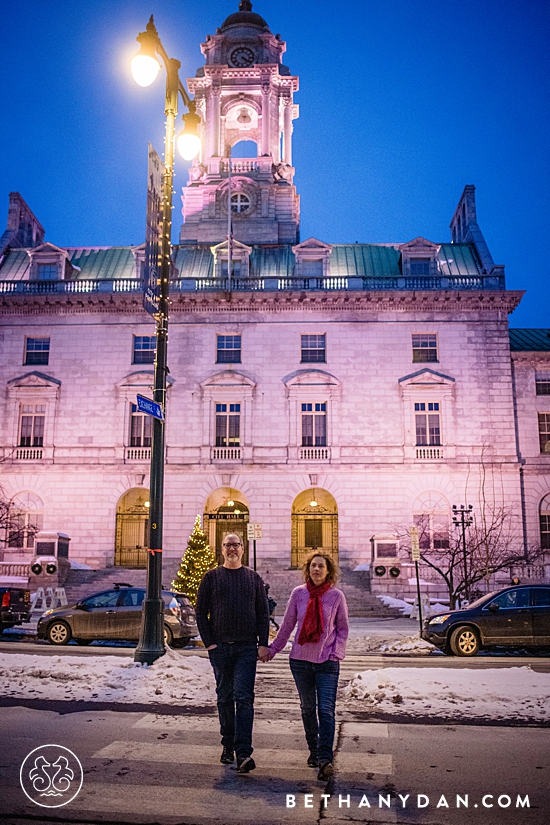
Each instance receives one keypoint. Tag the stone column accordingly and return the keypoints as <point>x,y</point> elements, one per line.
<point>287,132</point>
<point>265,148</point>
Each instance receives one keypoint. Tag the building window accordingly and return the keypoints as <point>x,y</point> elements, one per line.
<point>228,425</point>
<point>314,349</point>
<point>545,523</point>
<point>427,424</point>
<point>37,351</point>
<point>240,203</point>
<point>312,269</point>
<point>228,349</point>
<point>420,266</point>
<point>235,270</point>
<point>141,428</point>
<point>314,424</point>
<point>25,520</point>
<point>144,349</point>
<point>542,382</point>
<point>433,530</point>
<point>31,425</point>
<point>544,432</point>
<point>47,272</point>
<point>424,347</point>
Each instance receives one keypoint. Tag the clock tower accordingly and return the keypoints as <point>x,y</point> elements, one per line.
<point>243,93</point>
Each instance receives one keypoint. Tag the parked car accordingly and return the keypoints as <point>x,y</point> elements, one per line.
<point>15,606</point>
<point>116,614</point>
<point>513,617</point>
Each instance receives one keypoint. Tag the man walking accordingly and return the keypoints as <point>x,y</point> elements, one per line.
<point>233,621</point>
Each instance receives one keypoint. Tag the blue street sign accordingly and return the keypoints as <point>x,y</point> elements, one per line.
<point>145,405</point>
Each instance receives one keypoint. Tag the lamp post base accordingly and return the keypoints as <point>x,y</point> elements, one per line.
<point>151,644</point>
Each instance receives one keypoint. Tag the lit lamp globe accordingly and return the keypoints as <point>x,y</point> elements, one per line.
<point>188,145</point>
<point>145,68</point>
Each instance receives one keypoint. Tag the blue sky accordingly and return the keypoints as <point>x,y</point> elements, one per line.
<point>402,103</point>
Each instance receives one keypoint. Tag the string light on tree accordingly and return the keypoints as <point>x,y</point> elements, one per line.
<point>197,560</point>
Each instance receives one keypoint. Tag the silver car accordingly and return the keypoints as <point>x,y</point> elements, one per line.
<point>116,615</point>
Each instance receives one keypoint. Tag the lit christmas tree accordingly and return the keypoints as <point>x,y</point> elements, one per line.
<point>197,560</point>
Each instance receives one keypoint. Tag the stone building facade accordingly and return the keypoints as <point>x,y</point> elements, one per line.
<point>334,393</point>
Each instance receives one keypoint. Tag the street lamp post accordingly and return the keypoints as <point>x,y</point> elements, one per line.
<point>462,517</point>
<point>145,68</point>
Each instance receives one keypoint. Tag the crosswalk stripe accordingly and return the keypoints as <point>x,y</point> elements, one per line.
<point>270,761</point>
<point>210,724</point>
<point>378,729</point>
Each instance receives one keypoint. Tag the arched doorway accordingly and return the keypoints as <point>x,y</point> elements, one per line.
<point>226,511</point>
<point>314,525</point>
<point>132,529</point>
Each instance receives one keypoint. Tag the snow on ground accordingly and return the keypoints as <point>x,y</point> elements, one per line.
<point>517,693</point>
<point>412,645</point>
<point>174,679</point>
<point>391,602</point>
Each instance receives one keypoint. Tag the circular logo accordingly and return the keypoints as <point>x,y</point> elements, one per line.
<point>51,776</point>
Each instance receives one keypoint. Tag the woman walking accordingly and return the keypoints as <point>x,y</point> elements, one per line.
<point>321,613</point>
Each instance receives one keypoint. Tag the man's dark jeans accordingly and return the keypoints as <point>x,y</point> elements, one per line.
<point>317,685</point>
<point>234,667</point>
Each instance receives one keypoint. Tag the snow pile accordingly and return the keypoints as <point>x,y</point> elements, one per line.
<point>391,602</point>
<point>514,693</point>
<point>174,679</point>
<point>413,645</point>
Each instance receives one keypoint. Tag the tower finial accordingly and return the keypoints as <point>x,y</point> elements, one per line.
<point>245,5</point>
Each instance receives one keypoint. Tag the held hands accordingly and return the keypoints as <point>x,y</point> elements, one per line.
<point>264,654</point>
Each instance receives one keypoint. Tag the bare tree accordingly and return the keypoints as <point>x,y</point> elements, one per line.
<point>13,530</point>
<point>491,542</point>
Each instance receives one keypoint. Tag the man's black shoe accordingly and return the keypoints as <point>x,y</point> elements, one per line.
<point>245,765</point>
<point>228,756</point>
<point>313,761</point>
<point>326,770</point>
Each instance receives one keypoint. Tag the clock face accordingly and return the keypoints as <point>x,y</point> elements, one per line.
<point>241,57</point>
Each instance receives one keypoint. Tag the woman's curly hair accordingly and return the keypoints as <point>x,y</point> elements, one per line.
<point>333,569</point>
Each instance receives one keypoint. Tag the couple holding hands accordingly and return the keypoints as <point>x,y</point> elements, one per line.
<point>233,621</point>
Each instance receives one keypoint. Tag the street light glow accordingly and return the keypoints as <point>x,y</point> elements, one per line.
<point>188,145</point>
<point>145,68</point>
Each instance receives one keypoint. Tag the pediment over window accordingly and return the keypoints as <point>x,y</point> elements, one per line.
<point>228,379</point>
<point>313,379</point>
<point>140,382</point>
<point>240,257</point>
<point>420,246</point>
<point>426,378</point>
<point>34,380</point>
<point>50,263</point>
<point>312,258</point>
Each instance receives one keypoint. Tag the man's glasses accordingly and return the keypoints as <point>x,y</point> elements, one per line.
<point>233,544</point>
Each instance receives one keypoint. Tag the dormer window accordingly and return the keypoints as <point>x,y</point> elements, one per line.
<point>419,258</point>
<point>240,253</point>
<point>420,266</point>
<point>47,272</point>
<point>312,259</point>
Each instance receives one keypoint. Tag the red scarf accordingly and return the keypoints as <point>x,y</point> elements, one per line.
<point>313,625</point>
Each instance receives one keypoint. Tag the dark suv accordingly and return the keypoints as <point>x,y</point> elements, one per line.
<point>116,614</point>
<point>515,617</point>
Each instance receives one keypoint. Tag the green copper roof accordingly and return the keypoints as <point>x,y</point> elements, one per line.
<point>378,264</point>
<point>529,340</point>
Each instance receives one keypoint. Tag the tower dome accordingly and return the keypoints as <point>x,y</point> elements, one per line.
<point>244,17</point>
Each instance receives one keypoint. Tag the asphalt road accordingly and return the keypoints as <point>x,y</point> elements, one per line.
<point>351,664</point>
<point>147,769</point>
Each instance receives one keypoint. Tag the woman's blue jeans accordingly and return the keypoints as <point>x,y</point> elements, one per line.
<point>234,668</point>
<point>317,686</point>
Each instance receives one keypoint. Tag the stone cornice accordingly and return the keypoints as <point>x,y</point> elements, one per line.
<point>276,302</point>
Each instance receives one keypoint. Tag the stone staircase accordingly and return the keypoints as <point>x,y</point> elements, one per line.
<point>355,586</point>
<point>82,583</point>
